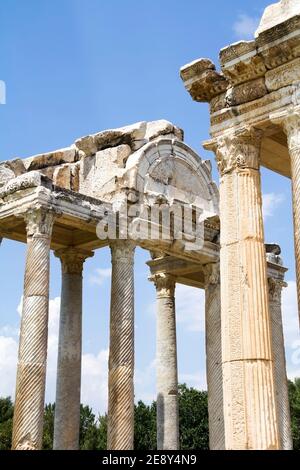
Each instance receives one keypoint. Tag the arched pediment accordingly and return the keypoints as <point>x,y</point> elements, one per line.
<point>170,168</point>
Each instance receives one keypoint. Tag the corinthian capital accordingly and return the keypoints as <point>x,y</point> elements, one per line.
<point>122,250</point>
<point>237,150</point>
<point>275,289</point>
<point>72,259</point>
<point>164,283</point>
<point>211,274</point>
<point>39,222</point>
<point>291,125</point>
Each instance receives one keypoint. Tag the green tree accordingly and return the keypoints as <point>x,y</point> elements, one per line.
<point>48,426</point>
<point>6,420</point>
<point>193,419</point>
<point>145,426</point>
<point>294,397</point>
<point>102,433</point>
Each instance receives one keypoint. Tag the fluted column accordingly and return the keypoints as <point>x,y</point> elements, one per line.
<point>281,383</point>
<point>31,374</point>
<point>67,404</point>
<point>250,414</point>
<point>214,357</point>
<point>166,364</point>
<point>120,431</point>
<point>291,125</point>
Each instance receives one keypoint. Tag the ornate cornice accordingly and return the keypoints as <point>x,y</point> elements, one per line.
<point>72,259</point>
<point>237,150</point>
<point>165,284</point>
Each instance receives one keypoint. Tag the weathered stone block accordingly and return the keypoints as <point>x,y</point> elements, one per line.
<point>38,162</point>
<point>246,92</point>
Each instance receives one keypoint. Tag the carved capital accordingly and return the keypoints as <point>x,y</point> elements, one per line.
<point>122,250</point>
<point>275,289</point>
<point>211,274</point>
<point>291,125</point>
<point>39,222</point>
<point>72,259</point>
<point>238,150</point>
<point>164,283</point>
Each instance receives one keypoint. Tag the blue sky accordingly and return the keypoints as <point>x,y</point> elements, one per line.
<point>74,67</point>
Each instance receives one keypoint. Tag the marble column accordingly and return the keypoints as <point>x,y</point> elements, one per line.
<point>291,125</point>
<point>281,384</point>
<point>31,373</point>
<point>120,426</point>
<point>166,364</point>
<point>250,414</point>
<point>67,403</point>
<point>214,357</point>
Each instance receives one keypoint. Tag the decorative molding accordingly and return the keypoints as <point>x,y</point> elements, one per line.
<point>72,259</point>
<point>165,284</point>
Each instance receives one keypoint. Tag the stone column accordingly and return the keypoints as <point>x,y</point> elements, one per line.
<point>291,126</point>
<point>214,357</point>
<point>166,364</point>
<point>31,374</point>
<point>250,414</point>
<point>281,383</point>
<point>67,404</point>
<point>120,426</point>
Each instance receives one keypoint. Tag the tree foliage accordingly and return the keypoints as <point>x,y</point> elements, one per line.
<point>193,422</point>
<point>294,397</point>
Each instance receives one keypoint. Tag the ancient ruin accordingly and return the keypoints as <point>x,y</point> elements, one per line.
<point>117,188</point>
<point>254,114</point>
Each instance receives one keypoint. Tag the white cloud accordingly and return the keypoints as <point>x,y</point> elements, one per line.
<point>197,381</point>
<point>8,361</point>
<point>291,329</point>
<point>245,26</point>
<point>271,201</point>
<point>94,381</point>
<point>145,383</point>
<point>190,307</point>
<point>100,276</point>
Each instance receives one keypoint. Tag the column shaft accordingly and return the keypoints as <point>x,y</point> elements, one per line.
<point>166,365</point>
<point>281,383</point>
<point>67,404</point>
<point>214,358</point>
<point>120,432</point>
<point>31,373</point>
<point>292,129</point>
<point>250,414</point>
